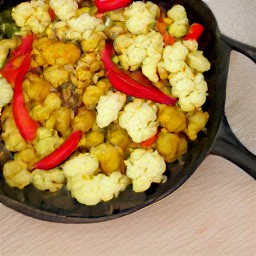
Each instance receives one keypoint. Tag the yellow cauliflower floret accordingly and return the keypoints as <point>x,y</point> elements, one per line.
<point>50,180</point>
<point>143,168</point>
<point>10,135</point>
<point>64,9</point>
<point>46,141</point>
<point>92,95</point>
<point>27,155</point>
<point>91,191</point>
<point>139,119</point>
<point>180,24</point>
<point>32,16</point>
<point>118,136</point>
<point>172,118</point>
<point>108,108</point>
<point>41,112</point>
<point>16,174</point>
<point>196,122</point>
<point>93,43</point>
<point>140,17</point>
<point>60,53</point>
<point>84,120</point>
<point>92,139</point>
<point>6,92</point>
<point>56,75</point>
<point>110,158</point>
<point>170,146</point>
<point>35,88</point>
<point>174,57</point>
<point>197,61</point>
<point>5,46</point>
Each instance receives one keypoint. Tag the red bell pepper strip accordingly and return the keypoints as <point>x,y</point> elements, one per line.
<point>162,29</point>
<point>25,124</point>
<point>61,153</point>
<point>150,141</point>
<point>110,5</point>
<point>125,84</point>
<point>195,31</point>
<point>9,71</point>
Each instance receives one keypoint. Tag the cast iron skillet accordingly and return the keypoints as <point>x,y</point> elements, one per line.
<point>219,140</point>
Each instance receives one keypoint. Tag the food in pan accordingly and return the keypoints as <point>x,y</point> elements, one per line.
<point>99,95</point>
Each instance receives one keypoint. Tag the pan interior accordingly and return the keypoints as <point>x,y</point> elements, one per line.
<point>61,207</point>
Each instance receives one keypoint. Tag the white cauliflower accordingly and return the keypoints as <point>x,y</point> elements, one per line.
<point>192,45</point>
<point>180,24</point>
<point>143,50</point>
<point>139,119</point>
<point>145,167</point>
<point>50,180</point>
<point>64,9</point>
<point>108,108</point>
<point>197,61</point>
<point>6,92</point>
<point>84,165</point>
<point>89,187</point>
<point>78,28</point>
<point>98,188</point>
<point>140,16</point>
<point>190,89</point>
<point>16,174</point>
<point>32,16</point>
<point>174,57</point>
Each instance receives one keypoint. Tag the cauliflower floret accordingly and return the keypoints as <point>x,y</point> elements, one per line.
<point>143,168</point>
<point>174,57</point>
<point>6,92</point>
<point>170,146</point>
<point>79,28</point>
<point>46,141</point>
<point>56,75</point>
<point>197,61</point>
<point>196,122</point>
<point>108,108</point>
<point>190,89</point>
<point>32,16</point>
<point>41,112</point>
<point>91,191</point>
<point>16,174</point>
<point>51,180</point>
<point>5,46</point>
<point>172,118</point>
<point>11,136</point>
<point>140,16</point>
<point>64,9</point>
<point>180,24</point>
<point>192,45</point>
<point>84,165</point>
<point>139,119</point>
<point>110,158</point>
<point>142,50</point>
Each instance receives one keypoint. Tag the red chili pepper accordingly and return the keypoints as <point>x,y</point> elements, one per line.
<point>9,71</point>
<point>124,83</point>
<point>25,124</point>
<point>61,153</point>
<point>51,14</point>
<point>195,31</point>
<point>109,5</point>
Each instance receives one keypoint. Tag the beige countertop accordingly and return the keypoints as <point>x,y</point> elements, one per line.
<point>213,213</point>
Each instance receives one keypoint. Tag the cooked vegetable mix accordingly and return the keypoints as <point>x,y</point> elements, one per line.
<point>99,95</point>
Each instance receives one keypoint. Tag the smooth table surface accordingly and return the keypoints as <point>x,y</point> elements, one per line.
<point>213,213</point>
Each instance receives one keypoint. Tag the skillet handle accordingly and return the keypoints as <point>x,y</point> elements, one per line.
<point>226,144</point>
